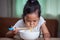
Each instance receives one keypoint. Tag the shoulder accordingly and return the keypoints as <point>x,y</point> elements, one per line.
<point>19,23</point>
<point>41,21</point>
<point>41,17</point>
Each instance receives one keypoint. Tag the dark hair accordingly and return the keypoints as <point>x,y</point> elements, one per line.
<point>31,6</point>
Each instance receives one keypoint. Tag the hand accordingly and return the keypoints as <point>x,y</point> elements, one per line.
<point>15,31</point>
<point>10,34</point>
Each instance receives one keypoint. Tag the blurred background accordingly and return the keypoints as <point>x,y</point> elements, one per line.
<point>14,8</point>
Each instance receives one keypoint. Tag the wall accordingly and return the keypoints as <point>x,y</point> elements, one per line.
<point>5,8</point>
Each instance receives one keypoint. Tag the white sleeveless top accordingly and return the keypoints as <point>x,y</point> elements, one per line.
<point>20,24</point>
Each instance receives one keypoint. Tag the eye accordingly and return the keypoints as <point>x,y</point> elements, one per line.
<point>28,20</point>
<point>34,20</point>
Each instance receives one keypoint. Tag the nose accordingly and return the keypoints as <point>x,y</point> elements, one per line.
<point>31,24</point>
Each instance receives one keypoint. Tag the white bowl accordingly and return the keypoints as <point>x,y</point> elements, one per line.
<point>27,35</point>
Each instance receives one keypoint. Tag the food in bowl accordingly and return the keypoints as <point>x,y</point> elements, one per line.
<point>27,34</point>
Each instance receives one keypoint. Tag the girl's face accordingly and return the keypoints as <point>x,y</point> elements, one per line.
<point>31,20</point>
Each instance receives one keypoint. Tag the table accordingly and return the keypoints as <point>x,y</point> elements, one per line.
<point>20,39</point>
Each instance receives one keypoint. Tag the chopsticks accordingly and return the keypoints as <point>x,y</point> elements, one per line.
<point>14,28</point>
<point>21,28</point>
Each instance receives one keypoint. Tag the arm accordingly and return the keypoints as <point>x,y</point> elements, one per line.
<point>45,32</point>
<point>14,32</point>
<point>11,34</point>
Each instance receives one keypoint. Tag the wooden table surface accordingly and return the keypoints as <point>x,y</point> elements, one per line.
<point>20,39</point>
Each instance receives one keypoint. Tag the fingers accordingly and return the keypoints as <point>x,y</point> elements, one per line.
<point>15,30</point>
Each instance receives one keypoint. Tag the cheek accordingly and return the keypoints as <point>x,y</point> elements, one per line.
<point>27,24</point>
<point>36,23</point>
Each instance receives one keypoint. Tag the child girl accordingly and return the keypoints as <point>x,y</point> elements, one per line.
<point>31,19</point>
